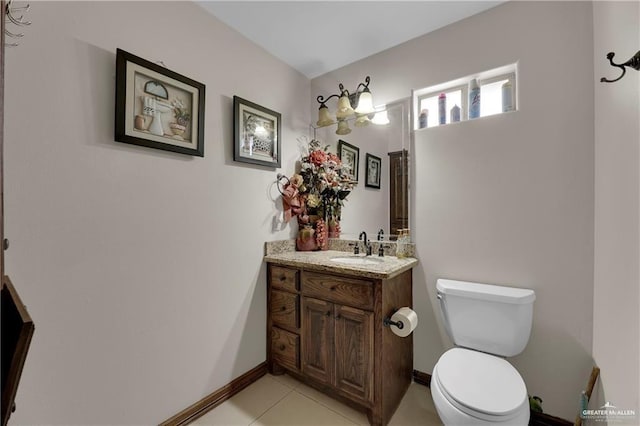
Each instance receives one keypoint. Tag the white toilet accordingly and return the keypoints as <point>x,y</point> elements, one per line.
<point>472,384</point>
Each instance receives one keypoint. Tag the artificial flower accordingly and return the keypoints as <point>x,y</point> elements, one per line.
<point>322,182</point>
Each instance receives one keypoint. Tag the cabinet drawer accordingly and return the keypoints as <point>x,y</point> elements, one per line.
<point>284,278</point>
<point>284,309</point>
<point>346,291</point>
<point>285,348</point>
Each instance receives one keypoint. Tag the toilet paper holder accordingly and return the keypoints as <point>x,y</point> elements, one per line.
<point>387,322</point>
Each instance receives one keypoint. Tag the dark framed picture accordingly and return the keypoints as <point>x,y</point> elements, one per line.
<point>158,108</point>
<point>374,168</point>
<point>350,157</point>
<point>256,133</point>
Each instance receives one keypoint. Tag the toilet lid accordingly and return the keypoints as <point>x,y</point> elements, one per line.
<point>481,382</point>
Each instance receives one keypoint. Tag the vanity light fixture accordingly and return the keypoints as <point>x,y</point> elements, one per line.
<point>381,117</point>
<point>362,100</point>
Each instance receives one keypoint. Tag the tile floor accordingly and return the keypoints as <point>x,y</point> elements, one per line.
<point>282,400</point>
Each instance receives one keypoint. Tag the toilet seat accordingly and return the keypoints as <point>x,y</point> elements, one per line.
<point>481,385</point>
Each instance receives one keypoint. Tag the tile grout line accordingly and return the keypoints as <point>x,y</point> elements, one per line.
<point>274,404</point>
<point>326,406</point>
<point>300,384</point>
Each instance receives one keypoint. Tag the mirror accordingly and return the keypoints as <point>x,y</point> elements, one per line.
<point>368,208</point>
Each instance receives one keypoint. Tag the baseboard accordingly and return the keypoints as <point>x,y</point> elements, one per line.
<point>422,378</point>
<point>542,419</point>
<point>216,398</point>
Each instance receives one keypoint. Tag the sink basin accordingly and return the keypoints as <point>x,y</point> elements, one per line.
<point>357,260</point>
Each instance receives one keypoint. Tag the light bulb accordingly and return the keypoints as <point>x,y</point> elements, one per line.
<point>343,128</point>
<point>365,103</point>
<point>324,117</point>
<point>344,108</point>
<point>381,118</point>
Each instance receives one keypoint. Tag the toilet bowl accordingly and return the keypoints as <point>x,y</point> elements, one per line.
<point>474,388</point>
<point>472,384</point>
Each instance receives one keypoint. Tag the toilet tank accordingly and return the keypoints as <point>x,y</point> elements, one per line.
<point>488,318</point>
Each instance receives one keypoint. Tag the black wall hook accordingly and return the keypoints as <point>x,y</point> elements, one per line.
<point>632,63</point>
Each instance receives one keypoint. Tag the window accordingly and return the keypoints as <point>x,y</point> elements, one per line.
<point>497,95</point>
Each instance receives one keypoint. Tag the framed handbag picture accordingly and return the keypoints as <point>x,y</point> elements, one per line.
<point>256,133</point>
<point>158,108</point>
<point>350,157</point>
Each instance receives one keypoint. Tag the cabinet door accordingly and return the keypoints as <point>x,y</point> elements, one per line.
<point>317,339</point>
<point>354,352</point>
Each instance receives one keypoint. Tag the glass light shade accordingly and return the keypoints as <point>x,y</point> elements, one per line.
<point>343,128</point>
<point>381,118</point>
<point>324,117</point>
<point>362,121</point>
<point>344,108</point>
<point>365,103</point>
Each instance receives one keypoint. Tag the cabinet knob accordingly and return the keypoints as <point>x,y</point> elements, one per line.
<point>284,308</point>
<point>328,313</point>
<point>338,316</point>
<point>5,244</point>
<point>282,347</point>
<point>282,278</point>
<point>332,288</point>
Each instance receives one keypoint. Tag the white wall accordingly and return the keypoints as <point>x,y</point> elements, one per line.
<point>507,199</point>
<point>141,268</point>
<point>616,322</point>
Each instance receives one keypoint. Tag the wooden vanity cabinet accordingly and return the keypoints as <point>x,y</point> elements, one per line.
<point>326,330</point>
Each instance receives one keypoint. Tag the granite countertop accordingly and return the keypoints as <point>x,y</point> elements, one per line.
<point>388,267</point>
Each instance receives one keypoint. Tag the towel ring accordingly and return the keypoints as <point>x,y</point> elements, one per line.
<point>278,182</point>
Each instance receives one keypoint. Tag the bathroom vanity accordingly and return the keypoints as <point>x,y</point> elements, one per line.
<point>325,326</point>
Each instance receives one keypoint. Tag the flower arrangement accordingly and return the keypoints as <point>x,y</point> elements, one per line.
<point>180,112</point>
<point>316,194</point>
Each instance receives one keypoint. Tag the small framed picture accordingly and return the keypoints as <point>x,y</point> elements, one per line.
<point>350,157</point>
<point>374,168</point>
<point>158,108</point>
<point>256,133</point>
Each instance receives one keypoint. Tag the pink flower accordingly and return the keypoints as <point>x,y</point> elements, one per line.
<point>318,157</point>
<point>335,158</point>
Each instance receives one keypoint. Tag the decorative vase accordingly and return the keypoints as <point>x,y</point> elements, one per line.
<point>140,122</point>
<point>322,235</point>
<point>334,228</point>
<point>306,240</point>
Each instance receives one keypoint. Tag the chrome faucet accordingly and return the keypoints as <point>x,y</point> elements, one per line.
<point>367,244</point>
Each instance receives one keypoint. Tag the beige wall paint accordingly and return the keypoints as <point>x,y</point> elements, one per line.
<point>507,199</point>
<point>616,322</point>
<point>141,268</point>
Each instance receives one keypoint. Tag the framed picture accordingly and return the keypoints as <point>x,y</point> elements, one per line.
<point>350,157</point>
<point>374,168</point>
<point>158,108</point>
<point>256,133</point>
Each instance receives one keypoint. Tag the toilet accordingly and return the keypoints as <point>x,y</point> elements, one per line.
<point>472,383</point>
